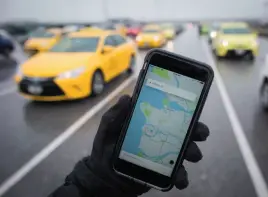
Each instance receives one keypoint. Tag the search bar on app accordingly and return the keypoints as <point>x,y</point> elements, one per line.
<point>171,89</point>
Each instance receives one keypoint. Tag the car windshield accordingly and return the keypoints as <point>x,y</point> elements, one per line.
<point>41,34</point>
<point>214,27</point>
<point>150,31</point>
<point>167,26</point>
<point>76,44</point>
<point>236,31</point>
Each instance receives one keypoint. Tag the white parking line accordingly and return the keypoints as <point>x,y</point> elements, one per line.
<point>169,46</point>
<point>7,91</point>
<point>46,151</point>
<point>247,153</point>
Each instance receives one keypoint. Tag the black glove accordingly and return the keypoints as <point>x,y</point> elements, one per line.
<point>94,175</point>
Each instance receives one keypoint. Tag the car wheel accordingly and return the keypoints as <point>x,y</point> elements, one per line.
<point>132,64</point>
<point>209,41</point>
<point>250,56</point>
<point>264,95</point>
<point>216,55</point>
<point>97,84</point>
<point>219,57</point>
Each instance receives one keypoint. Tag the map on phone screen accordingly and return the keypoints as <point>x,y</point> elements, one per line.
<point>160,120</point>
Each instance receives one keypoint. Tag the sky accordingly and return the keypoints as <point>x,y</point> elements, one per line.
<point>97,10</point>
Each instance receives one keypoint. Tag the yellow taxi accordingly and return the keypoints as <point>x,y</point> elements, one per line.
<point>85,29</point>
<point>150,37</point>
<point>77,66</point>
<point>42,40</point>
<point>168,30</point>
<point>151,25</point>
<point>236,38</point>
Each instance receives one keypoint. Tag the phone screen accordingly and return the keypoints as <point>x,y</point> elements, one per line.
<point>160,120</point>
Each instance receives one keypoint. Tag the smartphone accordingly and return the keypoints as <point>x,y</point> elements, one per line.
<point>167,101</point>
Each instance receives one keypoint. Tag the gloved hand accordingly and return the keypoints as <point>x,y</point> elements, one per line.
<point>99,164</point>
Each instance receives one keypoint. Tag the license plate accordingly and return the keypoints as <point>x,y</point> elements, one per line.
<point>35,89</point>
<point>239,52</point>
<point>146,44</point>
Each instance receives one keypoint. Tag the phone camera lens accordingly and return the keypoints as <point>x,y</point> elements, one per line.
<point>171,162</point>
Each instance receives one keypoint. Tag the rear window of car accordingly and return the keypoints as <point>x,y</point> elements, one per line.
<point>236,31</point>
<point>77,44</point>
<point>119,40</point>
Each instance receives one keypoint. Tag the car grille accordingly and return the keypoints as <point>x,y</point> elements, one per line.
<point>49,87</point>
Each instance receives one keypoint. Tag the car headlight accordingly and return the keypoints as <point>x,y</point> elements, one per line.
<point>72,73</point>
<point>138,38</point>
<point>255,42</point>
<point>213,34</point>
<point>156,38</point>
<point>224,43</point>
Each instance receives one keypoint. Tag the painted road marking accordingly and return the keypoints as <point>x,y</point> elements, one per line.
<point>46,151</point>
<point>8,91</point>
<point>243,144</point>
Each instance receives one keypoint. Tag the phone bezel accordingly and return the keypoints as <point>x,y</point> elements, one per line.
<point>180,65</point>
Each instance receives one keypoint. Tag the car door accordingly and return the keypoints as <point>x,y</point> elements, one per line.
<point>110,59</point>
<point>122,53</point>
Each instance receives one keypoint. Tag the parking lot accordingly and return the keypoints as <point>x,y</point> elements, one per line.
<point>41,142</point>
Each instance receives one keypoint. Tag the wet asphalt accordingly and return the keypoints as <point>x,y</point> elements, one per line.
<point>27,127</point>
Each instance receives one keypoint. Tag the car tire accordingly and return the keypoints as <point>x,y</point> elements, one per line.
<point>97,84</point>
<point>251,57</point>
<point>216,55</point>
<point>264,95</point>
<point>132,64</point>
<point>219,57</point>
<point>209,41</point>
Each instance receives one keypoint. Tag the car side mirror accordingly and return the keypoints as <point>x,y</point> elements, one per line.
<point>107,49</point>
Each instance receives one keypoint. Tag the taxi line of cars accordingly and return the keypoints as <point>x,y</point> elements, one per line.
<point>233,39</point>
<point>74,63</point>
<point>155,35</point>
<point>77,66</point>
<point>151,36</point>
<point>42,40</point>
<point>237,38</point>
